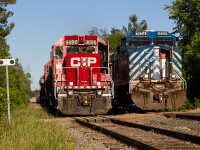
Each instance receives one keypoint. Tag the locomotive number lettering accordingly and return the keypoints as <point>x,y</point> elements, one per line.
<point>162,33</point>
<point>77,61</point>
<point>141,33</point>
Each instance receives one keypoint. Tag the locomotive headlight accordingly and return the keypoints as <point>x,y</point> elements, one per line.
<point>99,92</point>
<point>156,52</point>
<point>70,92</point>
<point>173,76</point>
<point>145,76</point>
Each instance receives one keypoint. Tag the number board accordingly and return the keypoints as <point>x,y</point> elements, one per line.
<point>141,33</point>
<point>162,33</point>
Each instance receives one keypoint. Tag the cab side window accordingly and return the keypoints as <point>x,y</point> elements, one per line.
<point>59,52</point>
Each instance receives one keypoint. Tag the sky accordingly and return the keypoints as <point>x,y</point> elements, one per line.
<point>40,23</point>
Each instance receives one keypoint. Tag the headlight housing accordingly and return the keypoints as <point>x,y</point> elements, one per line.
<point>70,92</point>
<point>99,92</point>
<point>145,76</point>
<point>172,76</point>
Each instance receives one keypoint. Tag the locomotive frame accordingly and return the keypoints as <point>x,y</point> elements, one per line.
<point>77,79</point>
<point>147,72</point>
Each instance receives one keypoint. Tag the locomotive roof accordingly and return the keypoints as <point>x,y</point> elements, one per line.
<point>151,34</point>
<point>61,41</point>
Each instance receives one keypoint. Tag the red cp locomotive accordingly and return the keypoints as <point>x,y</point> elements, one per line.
<point>77,79</point>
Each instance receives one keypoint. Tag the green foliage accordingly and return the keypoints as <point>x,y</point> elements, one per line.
<point>19,81</point>
<point>116,35</point>
<point>186,15</point>
<point>134,26</point>
<point>187,105</point>
<point>3,101</point>
<point>35,93</point>
<point>5,28</point>
<point>114,38</point>
<point>196,102</point>
<point>32,129</point>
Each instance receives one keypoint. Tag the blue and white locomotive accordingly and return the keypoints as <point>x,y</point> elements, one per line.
<point>147,72</point>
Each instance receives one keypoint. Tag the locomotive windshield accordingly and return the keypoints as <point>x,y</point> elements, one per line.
<point>75,49</point>
<point>88,49</point>
<point>138,42</point>
<point>164,41</point>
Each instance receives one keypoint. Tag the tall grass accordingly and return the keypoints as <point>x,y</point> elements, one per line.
<point>28,131</point>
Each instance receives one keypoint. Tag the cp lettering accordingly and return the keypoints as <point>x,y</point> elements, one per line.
<point>77,61</point>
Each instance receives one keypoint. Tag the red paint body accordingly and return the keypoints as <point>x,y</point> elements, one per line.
<point>82,69</point>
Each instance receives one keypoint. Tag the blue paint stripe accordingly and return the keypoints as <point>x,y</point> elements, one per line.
<point>179,60</point>
<point>138,53</point>
<point>142,65</point>
<point>179,52</point>
<point>179,67</point>
<point>176,64</point>
<point>137,78</point>
<point>143,56</point>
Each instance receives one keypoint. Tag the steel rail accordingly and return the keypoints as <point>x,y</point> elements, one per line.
<point>117,136</point>
<point>178,135</point>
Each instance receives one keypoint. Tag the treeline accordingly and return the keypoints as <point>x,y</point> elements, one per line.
<point>186,15</point>
<point>19,81</point>
<point>116,34</point>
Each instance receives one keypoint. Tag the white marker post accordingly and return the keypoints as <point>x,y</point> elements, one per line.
<point>7,62</point>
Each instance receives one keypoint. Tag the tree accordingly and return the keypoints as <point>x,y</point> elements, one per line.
<point>186,15</point>
<point>134,26</point>
<point>5,28</point>
<point>114,38</point>
<point>35,93</point>
<point>19,80</point>
<point>116,35</point>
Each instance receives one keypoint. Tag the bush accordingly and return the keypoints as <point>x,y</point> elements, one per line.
<point>187,105</point>
<point>196,103</point>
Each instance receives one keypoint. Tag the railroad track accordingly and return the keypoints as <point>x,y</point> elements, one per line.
<point>140,136</point>
<point>189,116</point>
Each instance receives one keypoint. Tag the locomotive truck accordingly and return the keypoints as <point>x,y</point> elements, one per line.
<point>147,72</point>
<point>77,79</point>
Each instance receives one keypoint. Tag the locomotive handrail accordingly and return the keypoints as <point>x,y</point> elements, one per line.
<point>105,78</point>
<point>99,68</point>
<point>184,81</point>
